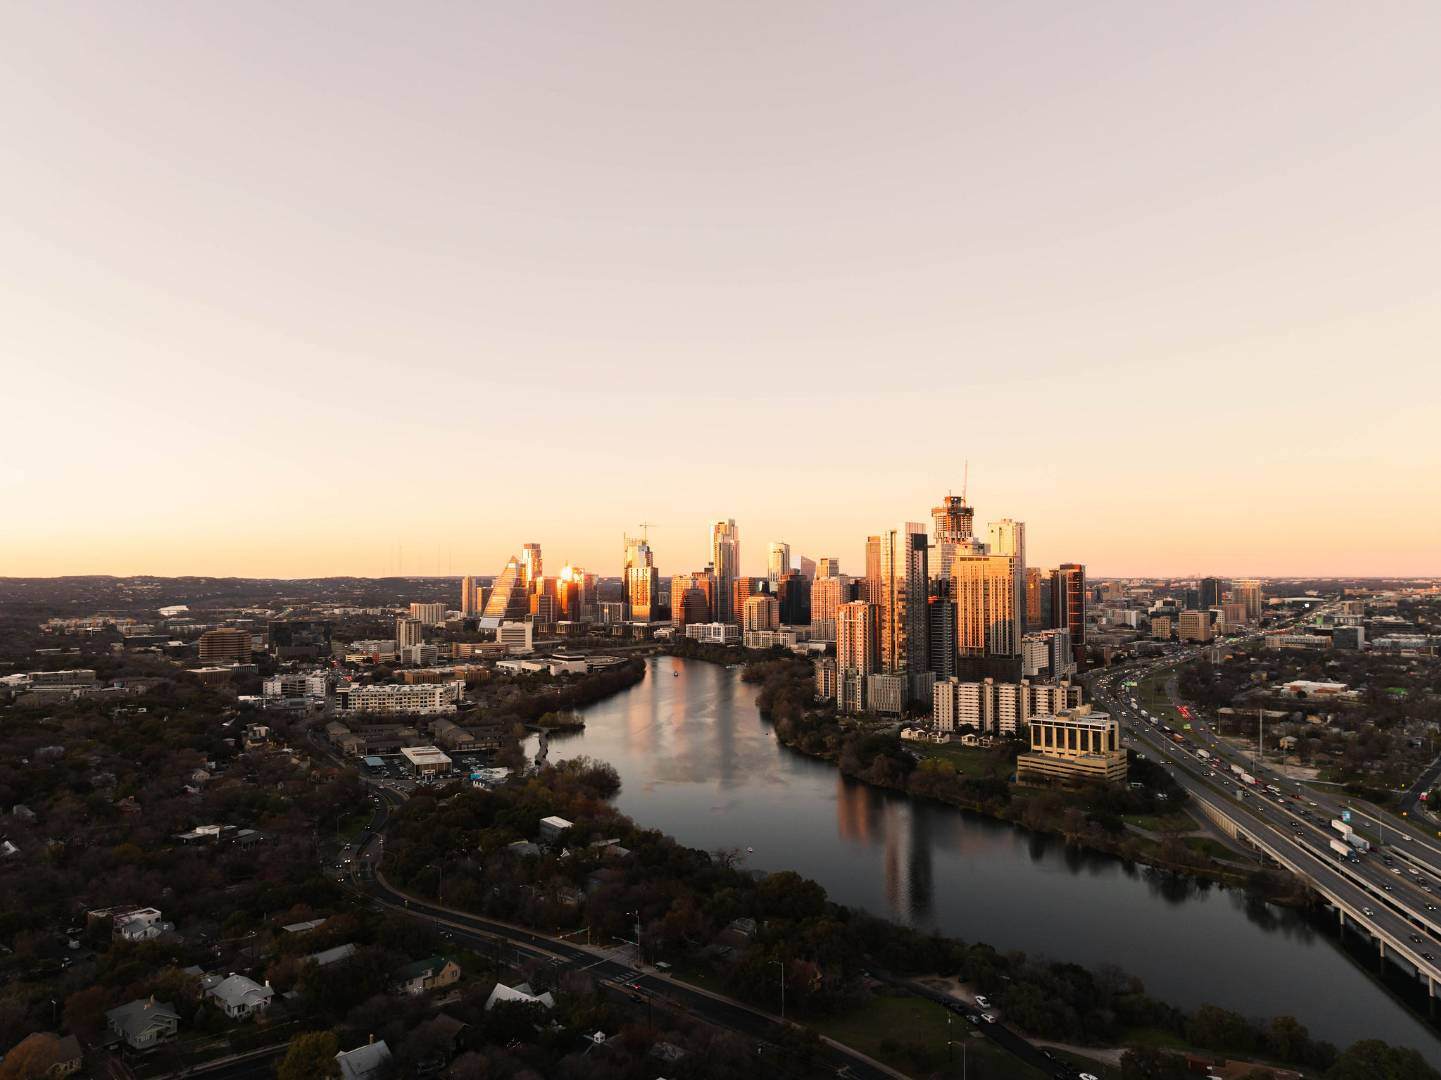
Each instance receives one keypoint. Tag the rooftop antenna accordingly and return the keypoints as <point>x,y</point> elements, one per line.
<point>645,531</point>
<point>965,481</point>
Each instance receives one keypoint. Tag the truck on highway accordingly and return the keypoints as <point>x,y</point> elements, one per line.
<point>1247,778</point>
<point>1341,827</point>
<point>1238,770</point>
<point>1360,843</point>
<point>1340,850</point>
<point>1204,755</point>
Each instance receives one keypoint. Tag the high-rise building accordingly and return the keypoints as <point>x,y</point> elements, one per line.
<point>1210,590</point>
<point>1248,592</point>
<point>742,589</point>
<point>807,567</point>
<point>472,596</point>
<point>1161,627</point>
<point>873,569</point>
<point>408,631</point>
<point>725,564</point>
<point>531,565</point>
<point>508,596</point>
<point>761,612</point>
<point>428,614</point>
<point>1194,626</point>
<point>227,644</point>
<point>1008,537</point>
<point>778,562</point>
<point>1047,653</point>
<point>988,605</point>
<point>794,593</point>
<point>941,629</point>
<point>1068,604</point>
<point>904,627</point>
<point>858,638</point>
<point>827,595</point>
<point>641,583</point>
<point>1038,599</point>
<point>827,567</point>
<point>953,522</point>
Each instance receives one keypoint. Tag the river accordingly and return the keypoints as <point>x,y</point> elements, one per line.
<point>697,762</point>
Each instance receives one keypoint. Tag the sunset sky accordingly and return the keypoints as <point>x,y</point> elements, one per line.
<point>304,289</point>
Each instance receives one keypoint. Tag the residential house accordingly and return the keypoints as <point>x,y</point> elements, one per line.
<point>366,1062</point>
<point>239,996</point>
<point>521,993</point>
<point>144,1023</point>
<point>327,957</point>
<point>432,973</point>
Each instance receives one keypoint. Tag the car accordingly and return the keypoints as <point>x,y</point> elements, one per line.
<point>1430,907</point>
<point>1088,1076</point>
<point>1417,939</point>
<point>988,1018</point>
<point>1428,958</point>
<point>1368,912</point>
<point>973,1018</point>
<point>983,1001</point>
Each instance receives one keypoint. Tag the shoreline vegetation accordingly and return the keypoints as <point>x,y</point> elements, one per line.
<point>1129,824</point>
<point>725,928</point>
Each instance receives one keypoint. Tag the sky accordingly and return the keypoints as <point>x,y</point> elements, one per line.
<point>352,288</point>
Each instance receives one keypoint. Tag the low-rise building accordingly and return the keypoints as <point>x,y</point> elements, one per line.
<point>521,993</point>
<point>368,1062</point>
<point>424,699</point>
<point>714,633</point>
<point>1075,745</point>
<point>432,973</point>
<point>144,1024</point>
<point>426,760</point>
<point>552,827</point>
<point>238,996</point>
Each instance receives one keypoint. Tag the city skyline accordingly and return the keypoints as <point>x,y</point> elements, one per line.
<point>1164,281</point>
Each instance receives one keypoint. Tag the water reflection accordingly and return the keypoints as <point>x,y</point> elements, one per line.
<point>696,761</point>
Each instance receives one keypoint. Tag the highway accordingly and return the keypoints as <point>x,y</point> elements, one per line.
<point>1392,891</point>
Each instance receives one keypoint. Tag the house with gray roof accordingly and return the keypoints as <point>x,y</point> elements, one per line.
<point>144,1023</point>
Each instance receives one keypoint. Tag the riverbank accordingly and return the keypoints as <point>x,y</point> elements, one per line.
<point>1090,819</point>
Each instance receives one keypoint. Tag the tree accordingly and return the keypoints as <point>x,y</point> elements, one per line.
<point>1372,1059</point>
<point>85,1011</point>
<point>31,1058</point>
<point>311,1053</point>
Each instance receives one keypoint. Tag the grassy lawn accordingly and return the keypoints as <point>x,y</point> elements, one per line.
<point>698,976</point>
<point>1160,823</point>
<point>1155,1038</point>
<point>971,761</point>
<point>1208,846</point>
<point>910,1034</point>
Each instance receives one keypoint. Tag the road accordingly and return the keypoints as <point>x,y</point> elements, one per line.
<point>1392,891</point>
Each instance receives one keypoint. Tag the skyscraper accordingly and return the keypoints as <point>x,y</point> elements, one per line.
<point>1248,592</point>
<point>1210,593</point>
<point>725,564</point>
<point>531,566</point>
<point>988,611</point>
<point>941,628</point>
<point>807,567</point>
<point>761,612</point>
<point>472,596</point>
<point>508,600</point>
<point>903,589</point>
<point>1068,604</point>
<point>794,593</point>
<point>952,522</point>
<point>1008,537</point>
<point>827,595</point>
<point>828,566</point>
<point>778,562</point>
<point>742,589</point>
<point>640,587</point>
<point>1038,599</point>
<point>873,569</point>
<point>857,639</point>
<point>407,631</point>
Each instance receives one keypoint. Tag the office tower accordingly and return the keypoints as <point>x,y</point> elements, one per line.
<point>545,607</point>
<point>778,563</point>
<point>226,645</point>
<point>1194,626</point>
<point>827,595</point>
<point>794,594</point>
<point>858,638</point>
<point>988,615</point>
<point>531,566</point>
<point>1047,653</point>
<point>688,602</point>
<point>1038,598</point>
<point>408,631</point>
<point>472,597</point>
<point>1248,592</point>
<point>903,589</point>
<point>1161,627</point>
<point>873,569</point>
<point>828,566</point>
<point>428,614</point>
<point>1068,604</point>
<point>941,631</point>
<point>761,612</point>
<point>1210,592</point>
<point>725,564</point>
<point>742,589</point>
<point>808,568</point>
<point>1008,537</point>
<point>640,586</point>
<point>952,523</point>
<point>508,600</point>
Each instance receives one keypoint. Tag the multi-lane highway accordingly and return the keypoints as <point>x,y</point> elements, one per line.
<point>1393,891</point>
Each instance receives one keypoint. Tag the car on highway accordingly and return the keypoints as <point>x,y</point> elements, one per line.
<point>1368,912</point>
<point>1417,939</point>
<point>988,1018</point>
<point>983,1001</point>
